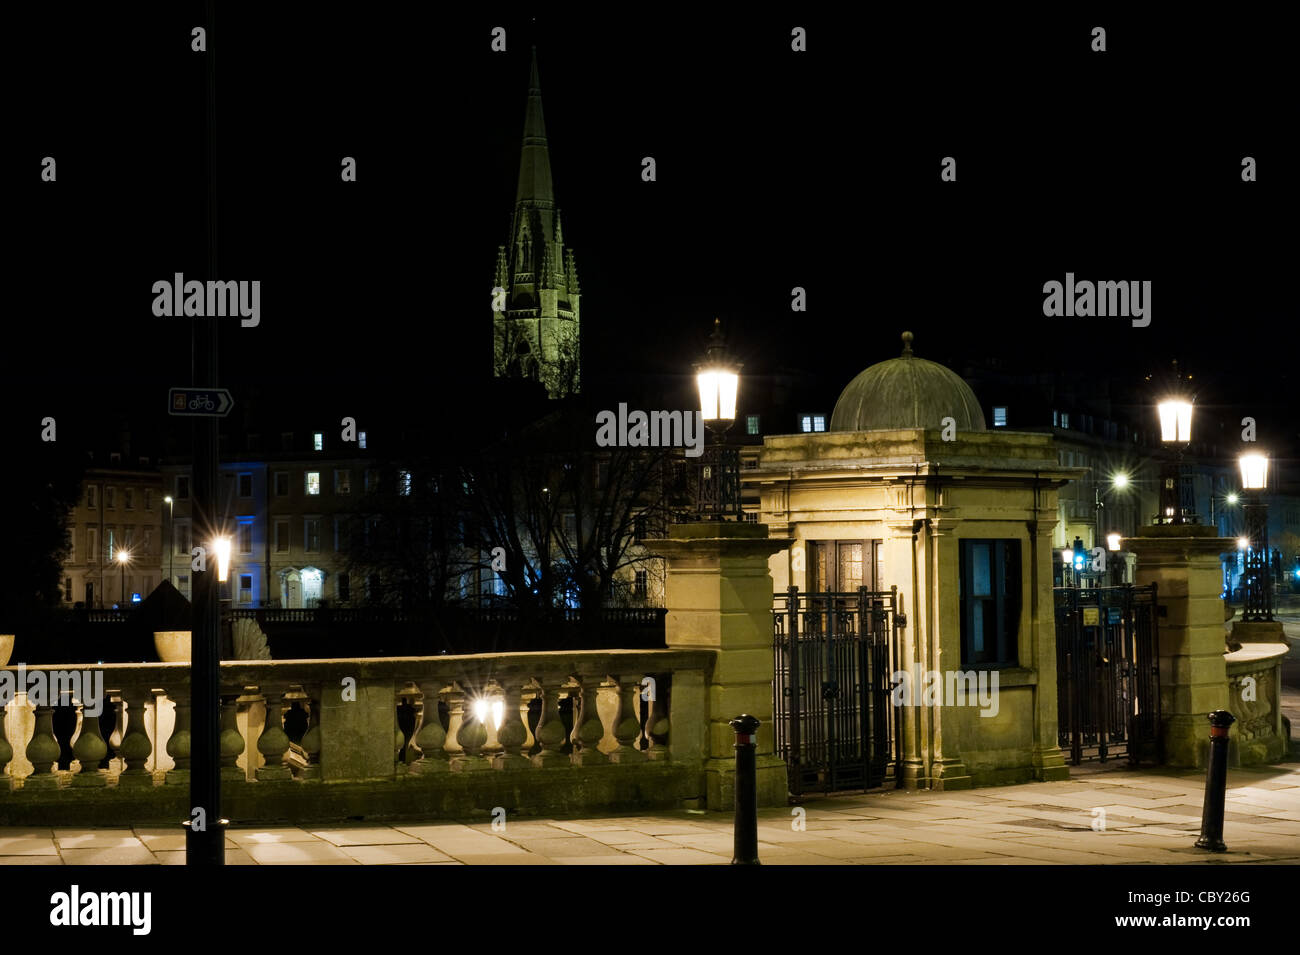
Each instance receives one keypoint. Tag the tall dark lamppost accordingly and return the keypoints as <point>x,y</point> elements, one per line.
<point>1258,603</point>
<point>1176,430</point>
<point>718,378</point>
<point>170,545</point>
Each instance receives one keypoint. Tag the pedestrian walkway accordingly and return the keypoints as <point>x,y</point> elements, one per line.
<point>1101,815</point>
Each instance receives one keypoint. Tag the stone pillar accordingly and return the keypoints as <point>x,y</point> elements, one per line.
<point>718,593</point>
<point>1040,616</point>
<point>1183,561</point>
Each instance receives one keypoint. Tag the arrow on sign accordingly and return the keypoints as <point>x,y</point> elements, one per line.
<point>199,402</point>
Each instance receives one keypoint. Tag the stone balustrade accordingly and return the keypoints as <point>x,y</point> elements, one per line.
<point>369,738</point>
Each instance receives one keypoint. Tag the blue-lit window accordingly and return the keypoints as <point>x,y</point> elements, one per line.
<point>1065,419</point>
<point>999,417</point>
<point>819,422</point>
<point>318,441</point>
<point>751,424</point>
<point>990,602</point>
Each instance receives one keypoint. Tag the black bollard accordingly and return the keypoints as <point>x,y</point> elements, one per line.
<point>745,851</point>
<point>1216,782</point>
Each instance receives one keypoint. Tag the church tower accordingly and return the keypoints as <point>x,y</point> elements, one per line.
<point>537,334</point>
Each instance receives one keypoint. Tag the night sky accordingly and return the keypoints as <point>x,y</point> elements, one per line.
<point>775,170</point>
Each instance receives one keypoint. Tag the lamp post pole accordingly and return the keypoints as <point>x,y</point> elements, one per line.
<point>205,835</point>
<point>171,523</point>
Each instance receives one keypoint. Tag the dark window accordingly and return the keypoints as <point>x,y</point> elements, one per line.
<point>640,531</point>
<point>842,566</point>
<point>182,488</point>
<point>990,602</point>
<point>345,586</point>
<point>245,485</point>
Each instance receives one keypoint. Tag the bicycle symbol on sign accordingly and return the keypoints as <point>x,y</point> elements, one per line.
<point>201,402</point>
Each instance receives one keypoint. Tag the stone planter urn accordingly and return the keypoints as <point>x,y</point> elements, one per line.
<point>173,646</point>
<point>6,648</point>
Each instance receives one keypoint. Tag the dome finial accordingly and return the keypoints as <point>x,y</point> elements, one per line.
<point>907,345</point>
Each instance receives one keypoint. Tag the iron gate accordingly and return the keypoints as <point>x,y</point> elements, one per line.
<point>1108,673</point>
<point>834,654</point>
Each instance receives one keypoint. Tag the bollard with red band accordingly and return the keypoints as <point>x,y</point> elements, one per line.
<point>1216,782</point>
<point>745,851</point>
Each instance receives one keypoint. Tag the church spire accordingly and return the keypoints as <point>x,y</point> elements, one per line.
<point>535,161</point>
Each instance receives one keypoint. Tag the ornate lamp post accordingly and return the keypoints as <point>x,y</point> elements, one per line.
<point>1176,430</point>
<point>718,380</point>
<point>1259,584</point>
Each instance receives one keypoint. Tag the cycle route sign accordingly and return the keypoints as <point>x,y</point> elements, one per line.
<point>199,402</point>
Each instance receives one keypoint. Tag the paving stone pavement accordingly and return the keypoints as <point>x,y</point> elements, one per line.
<point>1101,815</point>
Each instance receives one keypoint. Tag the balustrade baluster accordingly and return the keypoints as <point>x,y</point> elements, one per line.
<point>42,751</point>
<point>627,724</point>
<point>455,699</point>
<point>273,744</point>
<point>231,740</point>
<point>656,726</point>
<point>472,736</point>
<point>431,735</point>
<point>550,732</point>
<point>90,750</point>
<point>311,739</point>
<point>6,750</point>
<point>179,746</point>
<point>532,690</point>
<point>588,728</point>
<point>494,699</point>
<point>135,747</point>
<point>513,734</point>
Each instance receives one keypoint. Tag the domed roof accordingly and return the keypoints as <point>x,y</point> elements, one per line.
<point>906,392</point>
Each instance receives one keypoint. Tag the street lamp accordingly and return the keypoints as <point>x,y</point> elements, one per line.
<point>1118,482</point>
<point>170,546</point>
<point>122,558</point>
<point>221,547</point>
<point>718,381</point>
<point>1175,429</point>
<point>1259,584</point>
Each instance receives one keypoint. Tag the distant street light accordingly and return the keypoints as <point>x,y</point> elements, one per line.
<point>1112,541</point>
<point>1259,573</point>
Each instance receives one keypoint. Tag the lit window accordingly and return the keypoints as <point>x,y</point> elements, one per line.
<point>805,424</point>
<point>1065,419</point>
<point>819,422</point>
<point>404,483</point>
<point>1056,419</point>
<point>751,424</point>
<point>999,417</point>
<point>362,441</point>
<point>313,482</point>
<point>318,441</point>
